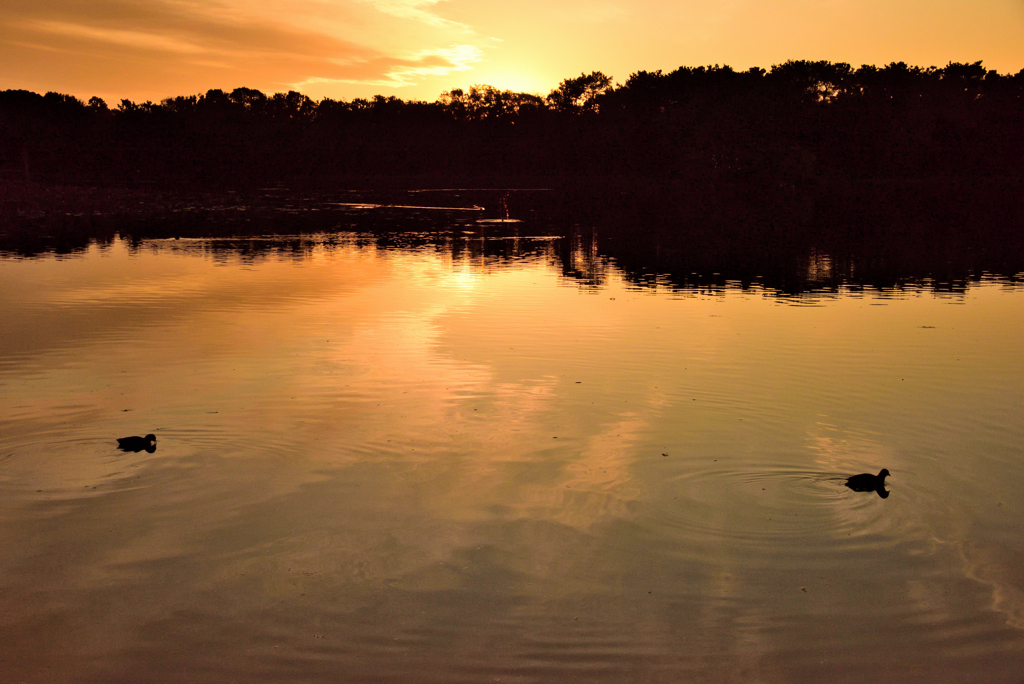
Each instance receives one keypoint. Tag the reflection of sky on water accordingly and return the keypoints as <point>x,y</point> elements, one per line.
<point>410,426</point>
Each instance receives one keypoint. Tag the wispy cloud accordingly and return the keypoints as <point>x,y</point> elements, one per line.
<point>129,46</point>
<point>438,62</point>
<point>398,73</point>
<point>134,39</point>
<point>418,10</point>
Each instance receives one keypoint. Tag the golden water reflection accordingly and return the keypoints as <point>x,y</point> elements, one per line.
<point>487,468</point>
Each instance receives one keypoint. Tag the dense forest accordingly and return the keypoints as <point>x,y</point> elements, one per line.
<point>798,124</point>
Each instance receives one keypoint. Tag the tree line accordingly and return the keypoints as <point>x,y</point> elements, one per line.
<point>799,123</point>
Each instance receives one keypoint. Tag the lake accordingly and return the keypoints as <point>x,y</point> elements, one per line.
<point>486,446</point>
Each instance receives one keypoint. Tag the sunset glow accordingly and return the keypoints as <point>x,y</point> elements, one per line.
<point>417,49</point>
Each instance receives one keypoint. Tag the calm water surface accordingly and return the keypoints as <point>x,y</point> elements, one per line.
<point>427,464</point>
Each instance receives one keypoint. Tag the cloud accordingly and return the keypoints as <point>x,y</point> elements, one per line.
<point>165,25</point>
<point>398,73</point>
<point>135,39</point>
<point>137,48</point>
<point>418,10</point>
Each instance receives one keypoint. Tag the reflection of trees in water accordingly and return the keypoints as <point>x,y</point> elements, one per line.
<point>885,237</point>
<point>944,236</point>
<point>582,260</point>
<point>478,253</point>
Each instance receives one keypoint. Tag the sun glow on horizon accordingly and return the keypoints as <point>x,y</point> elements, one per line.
<point>522,81</point>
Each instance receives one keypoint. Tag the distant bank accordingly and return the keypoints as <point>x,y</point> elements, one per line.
<point>798,125</point>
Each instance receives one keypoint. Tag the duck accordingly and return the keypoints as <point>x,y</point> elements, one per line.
<point>866,482</point>
<point>137,444</point>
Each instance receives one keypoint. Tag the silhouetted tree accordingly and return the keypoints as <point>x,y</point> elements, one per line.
<point>293,106</point>
<point>252,101</point>
<point>581,93</point>
<point>487,102</point>
<point>799,124</point>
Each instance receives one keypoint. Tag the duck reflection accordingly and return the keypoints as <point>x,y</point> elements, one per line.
<point>866,482</point>
<point>137,444</point>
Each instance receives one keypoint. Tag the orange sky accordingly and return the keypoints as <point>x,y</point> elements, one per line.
<point>416,49</point>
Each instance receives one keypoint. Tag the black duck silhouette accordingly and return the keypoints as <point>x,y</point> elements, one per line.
<point>137,444</point>
<point>866,482</point>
